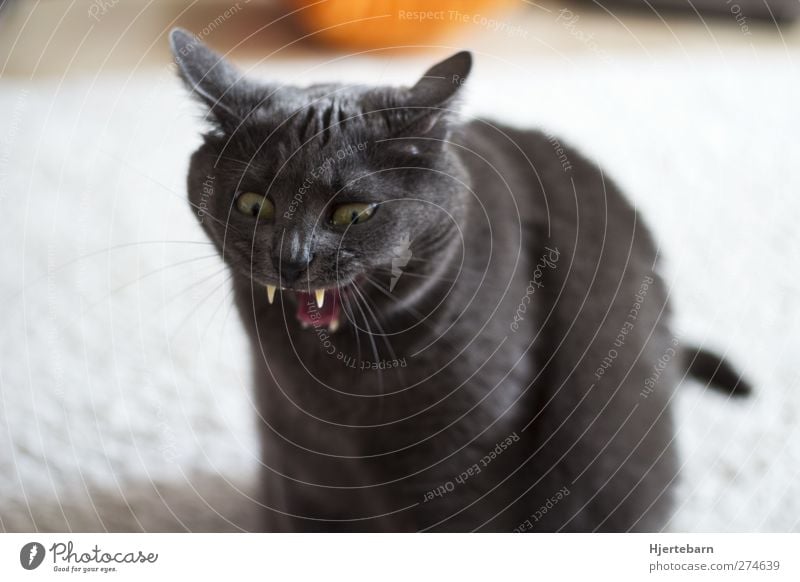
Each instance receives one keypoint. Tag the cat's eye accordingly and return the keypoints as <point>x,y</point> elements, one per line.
<point>353,213</point>
<point>255,205</point>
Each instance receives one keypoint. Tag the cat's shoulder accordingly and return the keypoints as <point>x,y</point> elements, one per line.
<point>526,143</point>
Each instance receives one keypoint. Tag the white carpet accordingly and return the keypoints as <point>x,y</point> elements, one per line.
<point>124,396</point>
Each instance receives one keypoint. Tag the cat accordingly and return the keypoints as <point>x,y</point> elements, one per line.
<point>456,325</point>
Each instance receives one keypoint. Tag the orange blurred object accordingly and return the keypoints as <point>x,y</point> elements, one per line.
<point>367,24</point>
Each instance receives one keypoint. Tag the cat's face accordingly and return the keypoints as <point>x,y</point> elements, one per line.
<point>308,192</point>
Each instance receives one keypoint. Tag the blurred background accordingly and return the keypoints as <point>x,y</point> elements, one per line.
<point>53,37</point>
<point>125,396</point>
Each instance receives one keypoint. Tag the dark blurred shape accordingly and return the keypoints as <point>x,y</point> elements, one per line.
<point>742,12</point>
<point>716,371</point>
<point>4,7</point>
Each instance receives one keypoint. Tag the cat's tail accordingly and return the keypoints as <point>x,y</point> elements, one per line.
<point>715,371</point>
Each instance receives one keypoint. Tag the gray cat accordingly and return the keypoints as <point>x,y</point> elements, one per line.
<point>456,326</point>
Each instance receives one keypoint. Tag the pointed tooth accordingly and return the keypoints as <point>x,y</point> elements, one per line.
<point>320,296</point>
<point>334,325</point>
<point>271,293</point>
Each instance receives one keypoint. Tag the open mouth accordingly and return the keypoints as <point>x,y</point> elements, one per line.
<point>321,308</point>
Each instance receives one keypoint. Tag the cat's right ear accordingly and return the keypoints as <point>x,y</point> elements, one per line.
<point>440,84</point>
<point>425,108</point>
<point>209,77</point>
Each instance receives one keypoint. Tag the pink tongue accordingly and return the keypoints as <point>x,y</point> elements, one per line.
<point>309,313</point>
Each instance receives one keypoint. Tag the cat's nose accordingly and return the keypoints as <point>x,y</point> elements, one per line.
<point>291,255</point>
<point>290,270</point>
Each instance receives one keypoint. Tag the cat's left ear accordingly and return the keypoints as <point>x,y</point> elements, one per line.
<point>433,99</point>
<point>210,78</point>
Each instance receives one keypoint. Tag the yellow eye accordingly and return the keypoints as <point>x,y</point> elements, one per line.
<point>253,204</point>
<point>354,213</point>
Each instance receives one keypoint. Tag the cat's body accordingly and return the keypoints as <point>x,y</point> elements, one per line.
<point>412,463</point>
<point>517,339</point>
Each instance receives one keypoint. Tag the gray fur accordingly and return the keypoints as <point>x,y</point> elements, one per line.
<point>526,265</point>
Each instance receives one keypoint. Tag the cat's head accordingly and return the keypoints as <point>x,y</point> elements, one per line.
<point>314,190</point>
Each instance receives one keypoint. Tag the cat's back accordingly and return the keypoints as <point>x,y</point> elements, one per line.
<point>603,321</point>
<point>546,179</point>
<point>608,261</point>
<point>561,198</point>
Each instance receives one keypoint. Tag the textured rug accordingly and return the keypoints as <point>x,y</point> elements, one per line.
<point>124,395</point>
